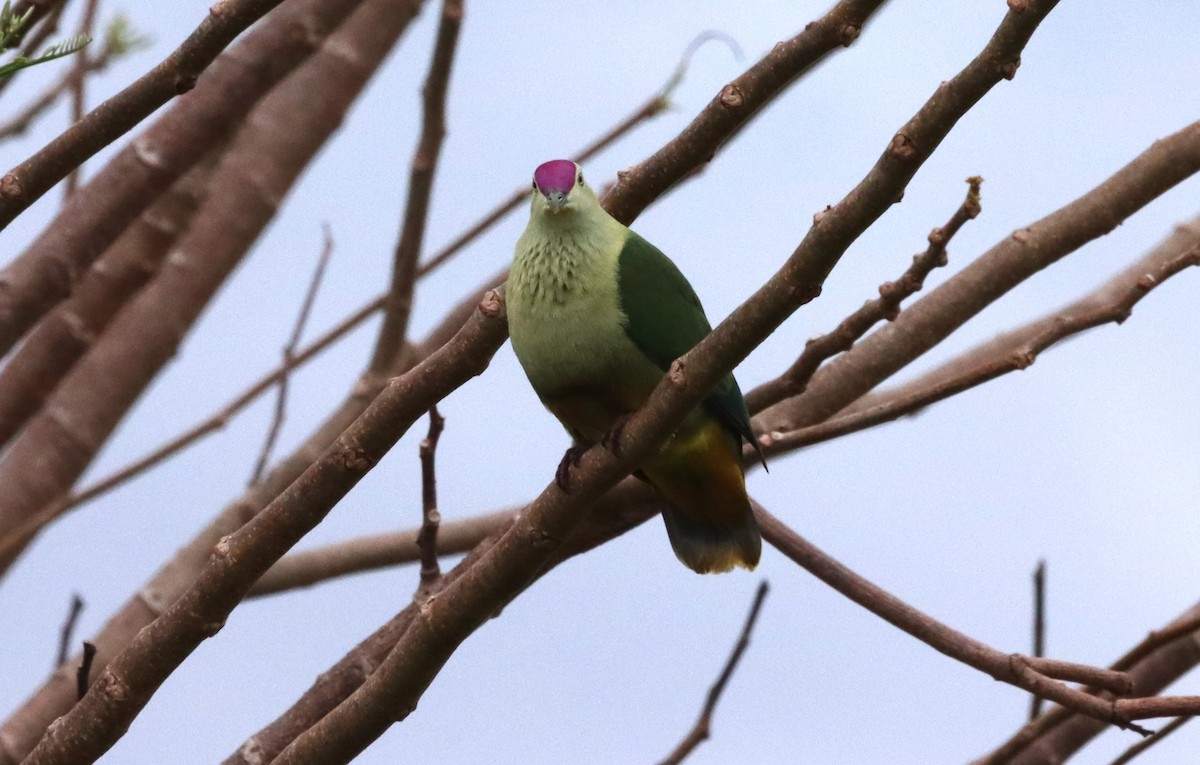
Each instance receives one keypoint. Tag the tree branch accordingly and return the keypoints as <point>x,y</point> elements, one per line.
<point>857,324</point>
<point>940,312</point>
<point>289,356</point>
<point>398,304</point>
<point>733,108</point>
<point>66,333</point>
<point>67,633</point>
<point>1037,676</point>
<point>253,176</point>
<point>1039,626</point>
<point>1129,754</point>
<point>175,75</point>
<point>1153,664</point>
<point>701,730</point>
<point>1012,351</point>
<point>95,216</point>
<point>79,86</point>
<point>393,690</point>
<point>427,538</point>
<point>93,725</point>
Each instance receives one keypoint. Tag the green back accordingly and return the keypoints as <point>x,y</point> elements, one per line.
<point>666,321</point>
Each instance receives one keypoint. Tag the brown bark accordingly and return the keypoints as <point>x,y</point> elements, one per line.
<point>63,335</point>
<point>98,212</point>
<point>255,174</point>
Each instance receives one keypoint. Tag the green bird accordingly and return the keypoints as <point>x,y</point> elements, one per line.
<point>597,314</point>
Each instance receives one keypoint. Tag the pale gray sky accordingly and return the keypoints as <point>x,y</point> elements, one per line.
<point>1087,459</point>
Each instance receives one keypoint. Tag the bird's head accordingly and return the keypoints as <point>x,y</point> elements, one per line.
<point>558,187</point>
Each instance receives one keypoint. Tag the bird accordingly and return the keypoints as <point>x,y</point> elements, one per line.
<point>597,315</point>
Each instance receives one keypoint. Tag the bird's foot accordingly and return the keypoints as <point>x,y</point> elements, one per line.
<point>612,439</point>
<point>570,459</point>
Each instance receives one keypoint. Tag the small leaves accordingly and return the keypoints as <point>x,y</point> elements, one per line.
<point>65,48</point>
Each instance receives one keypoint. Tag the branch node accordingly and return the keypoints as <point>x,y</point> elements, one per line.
<point>11,187</point>
<point>492,305</point>
<point>355,459</point>
<point>902,148</point>
<point>848,34</point>
<point>731,97</point>
<point>1008,70</point>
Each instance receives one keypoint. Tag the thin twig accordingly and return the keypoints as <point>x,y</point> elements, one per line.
<point>1145,744</point>
<point>289,356</point>
<point>79,86</point>
<point>701,730</point>
<point>1014,351</point>
<point>1039,626</point>
<point>66,635</point>
<point>83,674</point>
<point>886,306</point>
<point>431,518</point>
<point>398,304</point>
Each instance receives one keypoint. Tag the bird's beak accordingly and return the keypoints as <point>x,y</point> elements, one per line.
<point>556,200</point>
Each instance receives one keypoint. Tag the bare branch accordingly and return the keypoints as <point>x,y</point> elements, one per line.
<point>67,332</point>
<point>1039,626</point>
<point>22,730</point>
<point>1013,351</point>
<point>1035,675</point>
<point>254,174</point>
<point>289,356</point>
<point>431,518</point>
<point>1153,664</point>
<point>79,86</point>
<point>177,74</point>
<point>886,306</point>
<point>95,216</point>
<point>700,731</point>
<point>940,312</point>
<point>733,108</point>
<point>398,304</point>
<point>353,556</point>
<point>93,725</point>
<point>394,689</point>
<point>67,633</point>
<point>1141,746</point>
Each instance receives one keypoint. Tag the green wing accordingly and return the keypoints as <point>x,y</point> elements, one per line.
<point>666,320</point>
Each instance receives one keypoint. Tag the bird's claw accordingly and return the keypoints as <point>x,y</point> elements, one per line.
<point>612,439</point>
<point>570,459</point>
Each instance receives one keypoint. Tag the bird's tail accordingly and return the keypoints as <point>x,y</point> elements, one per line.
<point>707,547</point>
<point>710,523</point>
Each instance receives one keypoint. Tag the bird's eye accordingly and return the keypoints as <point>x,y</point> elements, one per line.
<point>534,185</point>
<point>581,179</point>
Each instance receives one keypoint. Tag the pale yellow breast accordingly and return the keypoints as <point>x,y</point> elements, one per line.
<point>563,308</point>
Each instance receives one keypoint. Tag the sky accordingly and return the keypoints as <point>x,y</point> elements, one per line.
<point>1087,459</point>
